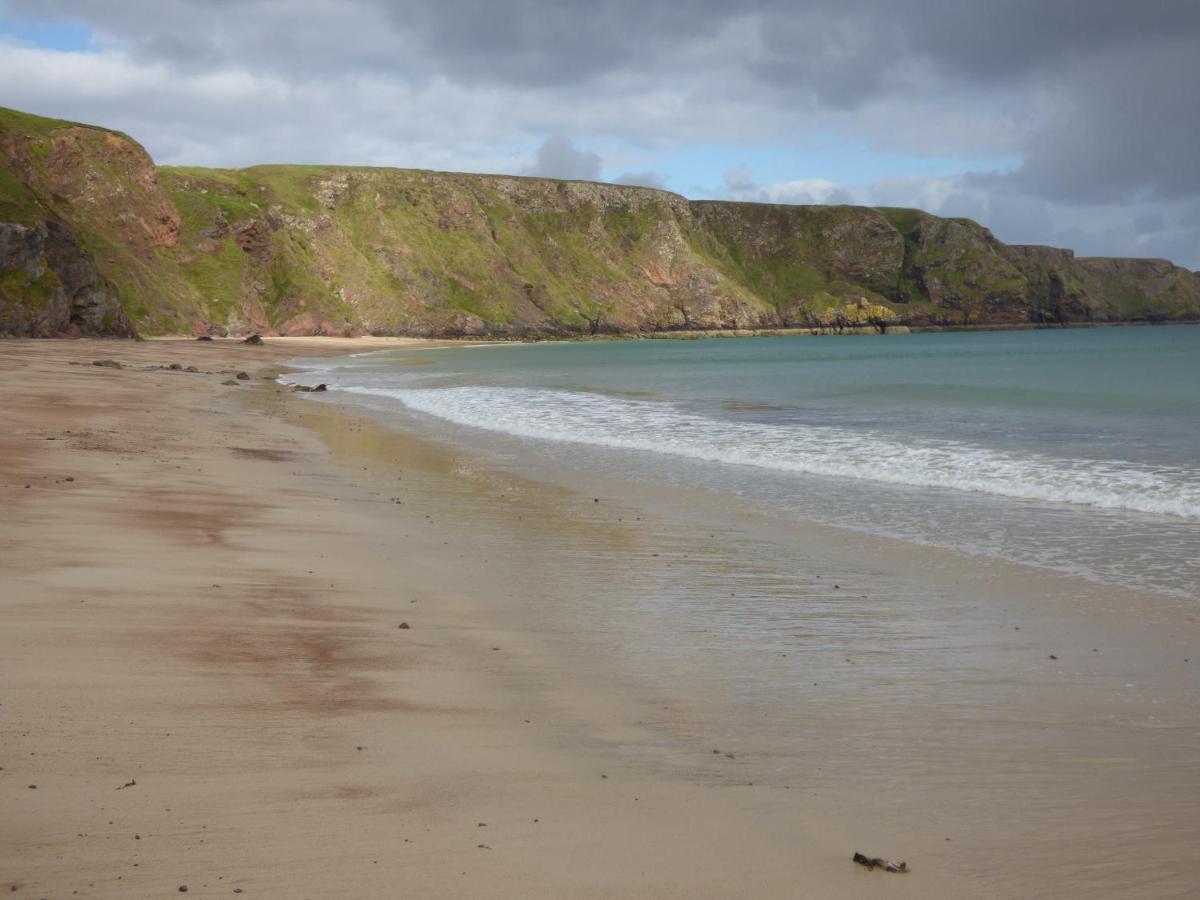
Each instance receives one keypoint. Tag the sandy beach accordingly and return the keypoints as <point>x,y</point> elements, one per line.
<point>254,644</point>
<point>207,679</point>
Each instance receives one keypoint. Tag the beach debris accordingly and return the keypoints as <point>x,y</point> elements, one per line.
<point>403,626</point>
<point>309,390</point>
<point>1052,656</point>
<point>33,787</point>
<point>183,889</point>
<point>204,337</point>
<point>874,862</point>
<point>191,369</point>
<point>242,376</point>
<point>230,382</point>
<point>107,364</point>
<point>175,367</point>
<point>253,339</point>
<point>132,782</point>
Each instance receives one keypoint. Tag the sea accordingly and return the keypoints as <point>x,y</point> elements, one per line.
<point>1073,450</point>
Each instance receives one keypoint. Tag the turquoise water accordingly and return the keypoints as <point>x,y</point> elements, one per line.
<point>1076,450</point>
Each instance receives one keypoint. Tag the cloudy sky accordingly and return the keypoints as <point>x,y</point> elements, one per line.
<point>1070,122</point>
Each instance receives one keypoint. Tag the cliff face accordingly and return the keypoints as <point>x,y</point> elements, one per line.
<point>312,249</point>
<point>49,285</point>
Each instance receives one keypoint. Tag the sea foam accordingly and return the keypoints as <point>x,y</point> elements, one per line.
<point>604,421</point>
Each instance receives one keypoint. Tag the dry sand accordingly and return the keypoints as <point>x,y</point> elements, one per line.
<point>203,674</point>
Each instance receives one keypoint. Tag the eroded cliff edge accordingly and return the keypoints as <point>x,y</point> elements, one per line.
<point>94,238</point>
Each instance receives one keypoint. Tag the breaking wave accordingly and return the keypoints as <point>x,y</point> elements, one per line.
<point>604,421</point>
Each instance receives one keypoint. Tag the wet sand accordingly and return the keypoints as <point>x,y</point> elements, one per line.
<point>211,606</point>
<point>199,597</point>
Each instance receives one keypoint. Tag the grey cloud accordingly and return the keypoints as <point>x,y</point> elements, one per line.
<point>1150,221</point>
<point>558,157</point>
<point>1136,128</point>
<point>1190,218</point>
<point>641,179</point>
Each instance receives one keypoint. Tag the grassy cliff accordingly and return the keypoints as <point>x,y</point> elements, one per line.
<point>324,249</point>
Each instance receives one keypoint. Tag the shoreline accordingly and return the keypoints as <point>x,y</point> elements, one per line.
<point>516,695</point>
<point>384,342</point>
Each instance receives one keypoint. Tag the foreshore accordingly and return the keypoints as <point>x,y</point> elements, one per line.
<point>252,643</point>
<point>207,680</point>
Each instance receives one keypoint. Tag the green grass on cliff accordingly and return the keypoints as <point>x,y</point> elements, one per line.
<point>20,123</point>
<point>34,292</point>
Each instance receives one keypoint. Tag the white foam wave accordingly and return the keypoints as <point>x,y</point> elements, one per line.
<point>815,450</point>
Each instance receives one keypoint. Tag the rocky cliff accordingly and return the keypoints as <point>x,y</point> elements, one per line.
<point>96,239</point>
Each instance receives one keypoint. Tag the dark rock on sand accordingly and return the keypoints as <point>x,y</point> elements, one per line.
<point>874,862</point>
<point>243,376</point>
<point>108,364</point>
<point>253,339</point>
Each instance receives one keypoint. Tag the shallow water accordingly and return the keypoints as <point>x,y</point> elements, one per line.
<point>1073,450</point>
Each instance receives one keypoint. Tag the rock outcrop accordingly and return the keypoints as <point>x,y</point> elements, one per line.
<point>337,250</point>
<point>49,286</point>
